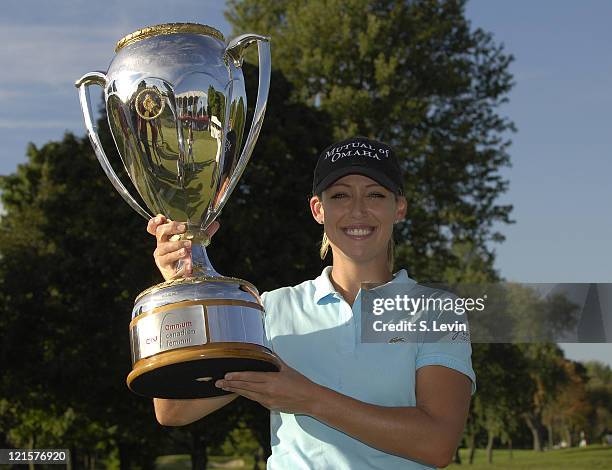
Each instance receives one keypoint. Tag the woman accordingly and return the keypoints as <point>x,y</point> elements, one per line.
<point>338,402</point>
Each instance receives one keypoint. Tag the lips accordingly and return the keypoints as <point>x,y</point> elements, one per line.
<point>359,232</point>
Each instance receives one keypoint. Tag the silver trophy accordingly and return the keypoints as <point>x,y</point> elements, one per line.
<point>176,105</point>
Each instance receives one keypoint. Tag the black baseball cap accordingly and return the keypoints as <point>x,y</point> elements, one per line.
<point>362,156</point>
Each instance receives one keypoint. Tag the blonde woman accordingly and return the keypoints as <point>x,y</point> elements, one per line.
<point>337,402</point>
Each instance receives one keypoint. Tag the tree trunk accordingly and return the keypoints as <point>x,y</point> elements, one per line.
<point>551,440</point>
<point>256,460</point>
<point>472,446</point>
<point>457,459</point>
<point>490,440</point>
<point>510,448</point>
<point>568,436</point>
<point>31,446</point>
<point>535,432</point>
<point>124,456</point>
<point>72,459</point>
<point>199,456</point>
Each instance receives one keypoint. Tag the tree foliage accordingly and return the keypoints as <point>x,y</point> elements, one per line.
<point>73,258</point>
<point>505,392</point>
<point>416,75</point>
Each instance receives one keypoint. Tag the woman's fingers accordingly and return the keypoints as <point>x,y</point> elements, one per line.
<point>167,263</point>
<point>155,222</point>
<point>169,247</point>
<point>172,257</point>
<point>164,228</point>
<point>165,231</point>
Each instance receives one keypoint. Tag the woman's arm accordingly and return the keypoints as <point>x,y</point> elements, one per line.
<point>182,412</point>
<point>167,254</point>
<point>428,432</point>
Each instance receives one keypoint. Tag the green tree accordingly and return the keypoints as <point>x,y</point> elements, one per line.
<point>568,413</point>
<point>599,392</point>
<point>505,392</point>
<point>545,365</point>
<point>73,258</point>
<point>416,75</point>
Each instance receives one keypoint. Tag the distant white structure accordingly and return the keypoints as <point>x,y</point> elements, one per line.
<point>583,442</point>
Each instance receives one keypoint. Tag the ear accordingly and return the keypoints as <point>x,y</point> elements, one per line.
<point>402,207</point>
<point>316,207</point>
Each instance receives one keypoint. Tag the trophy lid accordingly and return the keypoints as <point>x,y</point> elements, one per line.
<point>168,28</point>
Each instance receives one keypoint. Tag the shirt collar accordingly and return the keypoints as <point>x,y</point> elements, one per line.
<point>324,287</point>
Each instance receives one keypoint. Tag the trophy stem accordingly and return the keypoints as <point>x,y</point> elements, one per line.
<point>201,265</point>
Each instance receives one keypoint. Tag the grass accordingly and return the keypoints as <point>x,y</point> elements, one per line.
<point>183,462</point>
<point>592,457</point>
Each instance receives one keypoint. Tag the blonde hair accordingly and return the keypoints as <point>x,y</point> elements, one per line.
<point>390,250</point>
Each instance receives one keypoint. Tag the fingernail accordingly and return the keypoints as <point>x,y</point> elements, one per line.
<point>187,244</point>
<point>181,227</point>
<point>182,251</point>
<point>219,384</point>
<point>228,377</point>
<point>157,220</point>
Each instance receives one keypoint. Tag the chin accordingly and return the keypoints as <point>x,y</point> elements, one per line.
<point>363,257</point>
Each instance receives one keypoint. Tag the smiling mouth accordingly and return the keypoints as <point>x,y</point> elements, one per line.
<point>359,232</point>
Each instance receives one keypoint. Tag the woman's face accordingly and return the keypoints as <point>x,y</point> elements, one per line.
<point>358,215</point>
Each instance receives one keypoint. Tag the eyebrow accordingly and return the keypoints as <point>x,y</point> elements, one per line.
<point>348,185</point>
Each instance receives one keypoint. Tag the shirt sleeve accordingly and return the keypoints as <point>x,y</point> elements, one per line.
<point>267,338</point>
<point>449,349</point>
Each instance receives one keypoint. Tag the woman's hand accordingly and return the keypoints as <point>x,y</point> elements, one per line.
<point>287,390</point>
<point>168,252</point>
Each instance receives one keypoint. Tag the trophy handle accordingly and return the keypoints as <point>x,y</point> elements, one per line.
<point>235,50</point>
<point>83,83</point>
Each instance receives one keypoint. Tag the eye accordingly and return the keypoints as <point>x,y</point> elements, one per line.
<point>338,195</point>
<point>376,195</point>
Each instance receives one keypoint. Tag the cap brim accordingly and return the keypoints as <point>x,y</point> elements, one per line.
<point>374,174</point>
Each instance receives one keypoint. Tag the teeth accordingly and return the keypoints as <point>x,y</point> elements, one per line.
<point>358,232</point>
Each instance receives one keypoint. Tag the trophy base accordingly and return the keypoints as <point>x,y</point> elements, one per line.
<point>191,372</point>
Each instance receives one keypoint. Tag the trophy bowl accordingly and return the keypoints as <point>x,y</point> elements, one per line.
<point>176,105</point>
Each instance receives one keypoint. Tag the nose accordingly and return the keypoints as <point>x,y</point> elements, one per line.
<point>358,207</point>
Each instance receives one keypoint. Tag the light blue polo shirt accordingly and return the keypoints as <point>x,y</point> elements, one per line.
<point>315,331</point>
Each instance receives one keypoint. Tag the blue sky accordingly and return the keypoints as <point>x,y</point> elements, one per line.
<point>561,104</point>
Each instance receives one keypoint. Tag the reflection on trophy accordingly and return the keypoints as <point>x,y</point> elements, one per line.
<point>176,105</point>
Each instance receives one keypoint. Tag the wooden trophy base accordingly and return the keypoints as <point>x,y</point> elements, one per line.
<point>191,372</point>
